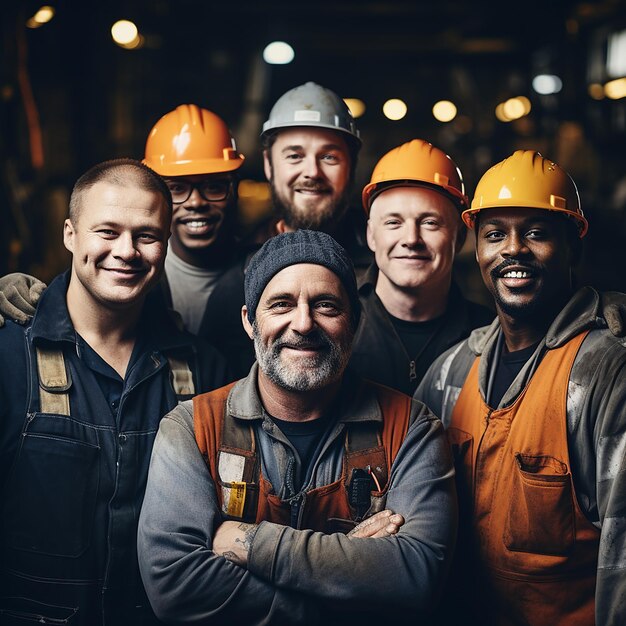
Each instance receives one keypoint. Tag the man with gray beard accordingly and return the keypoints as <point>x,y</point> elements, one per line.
<point>301,493</point>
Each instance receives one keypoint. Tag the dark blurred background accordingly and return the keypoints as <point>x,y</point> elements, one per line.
<point>71,97</point>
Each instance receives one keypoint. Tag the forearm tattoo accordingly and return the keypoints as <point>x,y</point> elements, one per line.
<point>240,557</point>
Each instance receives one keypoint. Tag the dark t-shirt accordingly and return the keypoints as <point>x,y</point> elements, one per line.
<point>508,368</point>
<point>305,437</point>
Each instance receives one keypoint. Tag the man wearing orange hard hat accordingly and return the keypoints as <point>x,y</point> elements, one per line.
<point>193,150</point>
<point>412,309</point>
<point>535,406</point>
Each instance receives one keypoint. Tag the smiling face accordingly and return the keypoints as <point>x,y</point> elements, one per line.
<point>118,241</point>
<point>413,233</point>
<point>197,222</point>
<point>525,258</point>
<point>303,328</point>
<point>309,172</point>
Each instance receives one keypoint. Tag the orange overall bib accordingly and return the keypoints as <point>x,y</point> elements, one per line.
<point>536,551</point>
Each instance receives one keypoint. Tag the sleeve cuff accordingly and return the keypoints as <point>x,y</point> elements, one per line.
<point>262,555</point>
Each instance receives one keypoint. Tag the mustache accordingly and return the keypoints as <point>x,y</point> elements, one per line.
<point>497,271</point>
<point>316,340</point>
<point>312,186</point>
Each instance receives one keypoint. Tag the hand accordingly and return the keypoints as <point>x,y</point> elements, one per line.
<point>19,294</point>
<point>613,305</point>
<point>232,540</point>
<point>383,524</point>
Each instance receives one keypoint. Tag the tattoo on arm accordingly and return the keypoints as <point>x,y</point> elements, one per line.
<point>241,546</point>
<point>249,530</point>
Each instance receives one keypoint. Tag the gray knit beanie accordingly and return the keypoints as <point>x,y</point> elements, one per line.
<point>300,246</point>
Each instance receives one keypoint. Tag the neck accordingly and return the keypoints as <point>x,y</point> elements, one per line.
<point>110,332</point>
<point>417,304</point>
<point>524,332</point>
<point>295,406</point>
<point>214,257</point>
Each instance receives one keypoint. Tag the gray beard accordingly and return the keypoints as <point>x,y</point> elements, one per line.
<point>314,373</point>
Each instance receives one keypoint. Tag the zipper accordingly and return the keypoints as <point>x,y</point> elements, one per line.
<point>296,509</point>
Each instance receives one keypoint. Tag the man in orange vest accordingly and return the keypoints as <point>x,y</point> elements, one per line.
<point>535,408</point>
<point>253,488</point>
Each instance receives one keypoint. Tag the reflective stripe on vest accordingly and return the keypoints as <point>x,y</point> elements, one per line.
<point>55,380</point>
<point>537,550</point>
<point>229,448</point>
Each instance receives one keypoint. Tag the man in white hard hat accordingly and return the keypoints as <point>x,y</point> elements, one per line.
<point>310,148</point>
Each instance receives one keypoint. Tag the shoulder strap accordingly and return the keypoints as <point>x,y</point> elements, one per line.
<point>181,377</point>
<point>54,381</point>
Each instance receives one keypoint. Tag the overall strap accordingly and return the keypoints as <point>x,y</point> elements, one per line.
<point>54,381</point>
<point>181,377</point>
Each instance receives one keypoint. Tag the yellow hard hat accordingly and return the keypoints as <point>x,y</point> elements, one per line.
<point>416,162</point>
<point>527,180</point>
<point>190,140</point>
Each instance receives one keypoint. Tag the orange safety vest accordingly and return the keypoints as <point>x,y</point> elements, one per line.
<point>537,551</point>
<point>227,442</point>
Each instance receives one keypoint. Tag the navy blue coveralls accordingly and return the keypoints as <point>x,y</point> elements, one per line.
<point>72,486</point>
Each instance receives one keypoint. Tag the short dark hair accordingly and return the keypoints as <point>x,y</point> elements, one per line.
<point>120,172</point>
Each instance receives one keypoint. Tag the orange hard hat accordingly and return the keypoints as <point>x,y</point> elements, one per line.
<point>190,140</point>
<point>416,163</point>
<point>527,180</point>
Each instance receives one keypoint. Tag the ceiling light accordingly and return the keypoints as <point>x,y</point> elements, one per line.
<point>124,32</point>
<point>278,53</point>
<point>444,111</point>
<point>394,109</point>
<point>43,16</point>
<point>615,89</point>
<point>546,84</point>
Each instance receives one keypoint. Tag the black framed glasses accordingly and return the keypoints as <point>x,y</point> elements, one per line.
<point>210,190</point>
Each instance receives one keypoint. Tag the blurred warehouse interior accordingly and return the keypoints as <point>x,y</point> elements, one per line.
<point>476,79</point>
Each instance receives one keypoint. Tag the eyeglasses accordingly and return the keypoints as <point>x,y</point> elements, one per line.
<point>210,190</point>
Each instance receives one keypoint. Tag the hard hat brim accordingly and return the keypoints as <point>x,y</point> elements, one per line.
<point>195,167</point>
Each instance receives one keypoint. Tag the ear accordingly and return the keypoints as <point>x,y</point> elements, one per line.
<point>267,164</point>
<point>369,233</point>
<point>247,326</point>
<point>68,235</point>
<point>281,227</point>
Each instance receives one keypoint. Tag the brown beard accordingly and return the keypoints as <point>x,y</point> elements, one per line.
<point>327,223</point>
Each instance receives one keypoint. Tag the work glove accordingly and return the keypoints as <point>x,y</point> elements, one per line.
<point>19,294</point>
<point>613,305</point>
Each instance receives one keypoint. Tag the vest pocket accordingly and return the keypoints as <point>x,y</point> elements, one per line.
<point>541,516</point>
<point>51,496</point>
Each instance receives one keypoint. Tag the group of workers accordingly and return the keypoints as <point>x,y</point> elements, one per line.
<point>283,434</point>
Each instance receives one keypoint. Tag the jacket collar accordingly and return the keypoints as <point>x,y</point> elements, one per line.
<point>457,313</point>
<point>356,402</point>
<point>52,320</point>
<point>581,313</point>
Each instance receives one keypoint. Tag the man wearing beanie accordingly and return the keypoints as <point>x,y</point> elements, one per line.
<point>300,494</point>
